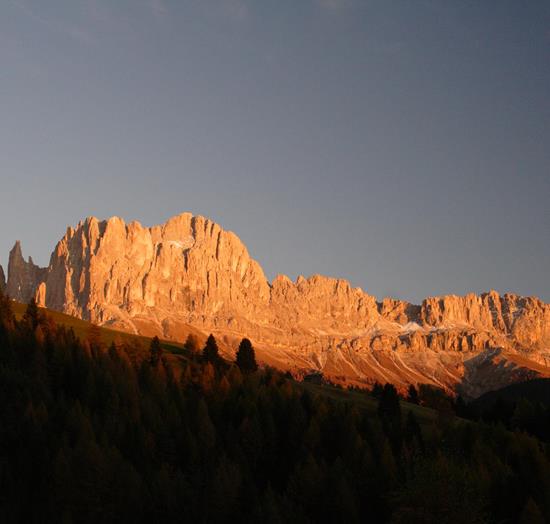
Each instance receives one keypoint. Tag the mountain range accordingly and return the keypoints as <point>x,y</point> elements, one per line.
<point>189,271</point>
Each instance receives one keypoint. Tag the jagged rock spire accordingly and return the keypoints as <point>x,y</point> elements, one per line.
<point>23,277</point>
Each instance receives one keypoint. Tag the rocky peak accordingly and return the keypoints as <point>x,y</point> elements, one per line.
<point>23,277</point>
<point>16,253</point>
<point>153,280</point>
<point>399,311</point>
<point>108,270</point>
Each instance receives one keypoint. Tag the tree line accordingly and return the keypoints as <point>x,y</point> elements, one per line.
<point>524,410</point>
<point>90,434</point>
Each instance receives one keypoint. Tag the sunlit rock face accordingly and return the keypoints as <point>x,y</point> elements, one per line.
<point>191,271</point>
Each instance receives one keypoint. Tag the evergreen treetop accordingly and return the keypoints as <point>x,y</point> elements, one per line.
<point>210,352</point>
<point>246,357</point>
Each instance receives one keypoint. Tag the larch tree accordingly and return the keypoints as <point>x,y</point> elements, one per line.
<point>191,344</point>
<point>155,351</point>
<point>246,357</point>
<point>210,351</point>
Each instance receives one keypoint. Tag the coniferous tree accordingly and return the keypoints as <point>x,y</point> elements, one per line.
<point>113,351</point>
<point>461,408</point>
<point>413,433</point>
<point>388,406</point>
<point>435,398</point>
<point>207,377</point>
<point>32,315</point>
<point>155,352</point>
<point>246,357</point>
<point>210,351</point>
<point>412,395</point>
<point>7,318</point>
<point>389,411</point>
<point>90,436</point>
<point>377,389</point>
<point>94,336</point>
<point>191,344</point>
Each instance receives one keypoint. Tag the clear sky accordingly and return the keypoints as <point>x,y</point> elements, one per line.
<point>404,145</point>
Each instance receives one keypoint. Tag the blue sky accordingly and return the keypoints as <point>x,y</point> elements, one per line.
<point>402,145</point>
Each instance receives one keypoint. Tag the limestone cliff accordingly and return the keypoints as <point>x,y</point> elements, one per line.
<point>23,277</point>
<point>191,271</point>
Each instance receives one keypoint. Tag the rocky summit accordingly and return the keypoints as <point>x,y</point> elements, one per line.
<point>190,271</point>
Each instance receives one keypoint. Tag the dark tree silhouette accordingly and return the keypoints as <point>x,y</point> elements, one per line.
<point>376,390</point>
<point>246,357</point>
<point>94,336</point>
<point>155,352</point>
<point>388,406</point>
<point>210,351</point>
<point>101,436</point>
<point>32,315</point>
<point>191,344</point>
<point>7,318</point>
<point>389,411</point>
<point>461,408</point>
<point>412,432</point>
<point>412,395</point>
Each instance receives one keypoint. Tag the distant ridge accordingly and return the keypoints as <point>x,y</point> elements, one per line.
<point>190,271</point>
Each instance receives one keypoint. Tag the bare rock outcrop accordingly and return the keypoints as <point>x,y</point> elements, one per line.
<point>526,320</point>
<point>110,272</point>
<point>191,271</point>
<point>23,276</point>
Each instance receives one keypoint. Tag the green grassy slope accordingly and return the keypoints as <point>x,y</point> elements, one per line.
<point>537,390</point>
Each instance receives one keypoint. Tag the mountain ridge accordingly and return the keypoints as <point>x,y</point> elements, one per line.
<point>189,270</point>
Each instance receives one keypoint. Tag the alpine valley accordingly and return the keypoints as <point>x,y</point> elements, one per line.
<point>189,272</point>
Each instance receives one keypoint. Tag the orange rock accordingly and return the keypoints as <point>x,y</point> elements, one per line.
<point>191,271</point>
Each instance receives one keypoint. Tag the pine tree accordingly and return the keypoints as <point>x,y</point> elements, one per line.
<point>210,351</point>
<point>246,358</point>
<point>94,336</point>
<point>155,350</point>
<point>31,318</point>
<point>461,408</point>
<point>389,411</point>
<point>7,318</point>
<point>412,395</point>
<point>388,406</point>
<point>191,344</point>
<point>207,377</point>
<point>377,390</point>
<point>413,432</point>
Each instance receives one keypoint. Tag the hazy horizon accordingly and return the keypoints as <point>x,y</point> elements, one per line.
<point>405,148</point>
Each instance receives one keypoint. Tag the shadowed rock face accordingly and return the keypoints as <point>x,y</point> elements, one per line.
<point>191,271</point>
<point>2,280</point>
<point>23,277</point>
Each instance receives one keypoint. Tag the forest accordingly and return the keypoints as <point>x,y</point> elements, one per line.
<point>92,433</point>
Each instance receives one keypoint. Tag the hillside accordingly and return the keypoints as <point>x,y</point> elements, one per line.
<point>536,391</point>
<point>137,345</point>
<point>88,436</point>
<point>138,348</point>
